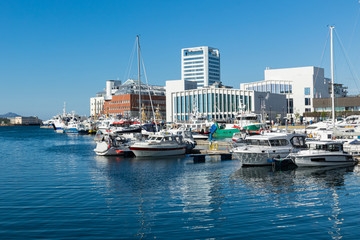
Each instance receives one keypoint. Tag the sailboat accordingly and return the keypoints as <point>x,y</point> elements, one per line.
<point>325,153</point>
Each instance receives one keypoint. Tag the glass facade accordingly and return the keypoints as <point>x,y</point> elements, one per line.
<point>213,104</point>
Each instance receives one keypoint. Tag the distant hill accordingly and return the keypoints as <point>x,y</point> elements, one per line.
<point>9,114</point>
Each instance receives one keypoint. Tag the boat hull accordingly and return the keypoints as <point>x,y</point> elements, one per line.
<point>103,149</point>
<point>259,159</point>
<point>324,160</point>
<point>157,152</point>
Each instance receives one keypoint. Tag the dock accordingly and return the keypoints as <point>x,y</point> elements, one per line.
<point>199,155</point>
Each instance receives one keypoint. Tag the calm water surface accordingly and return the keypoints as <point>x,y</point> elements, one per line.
<point>53,186</point>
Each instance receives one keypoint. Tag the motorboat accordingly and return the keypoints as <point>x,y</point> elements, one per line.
<point>199,136</point>
<point>159,144</point>
<point>111,145</point>
<point>261,150</point>
<point>323,153</point>
<point>186,135</point>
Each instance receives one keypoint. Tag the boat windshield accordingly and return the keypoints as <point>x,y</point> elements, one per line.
<point>248,118</point>
<point>329,147</point>
<point>257,142</point>
<point>298,142</point>
<point>279,142</point>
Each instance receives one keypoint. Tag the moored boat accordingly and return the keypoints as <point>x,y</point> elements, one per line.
<point>323,153</point>
<point>261,150</point>
<point>159,144</point>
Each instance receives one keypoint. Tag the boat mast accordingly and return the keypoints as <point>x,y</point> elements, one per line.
<point>138,53</point>
<point>64,109</point>
<point>332,77</point>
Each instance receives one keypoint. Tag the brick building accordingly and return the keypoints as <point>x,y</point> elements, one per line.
<point>123,99</point>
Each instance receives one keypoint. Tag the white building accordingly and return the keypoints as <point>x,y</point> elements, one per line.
<point>201,65</point>
<point>175,86</point>
<point>96,106</point>
<point>218,103</point>
<point>300,86</point>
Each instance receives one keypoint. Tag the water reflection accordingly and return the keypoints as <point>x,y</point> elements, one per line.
<point>164,188</point>
<point>311,189</point>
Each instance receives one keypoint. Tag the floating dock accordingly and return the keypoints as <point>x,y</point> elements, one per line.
<point>199,155</point>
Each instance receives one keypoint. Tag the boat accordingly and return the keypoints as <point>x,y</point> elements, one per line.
<point>75,127</point>
<point>159,144</point>
<point>198,136</point>
<point>187,136</point>
<point>261,150</point>
<point>323,153</point>
<point>249,122</point>
<point>111,145</point>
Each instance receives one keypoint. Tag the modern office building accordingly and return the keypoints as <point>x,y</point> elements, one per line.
<point>220,103</point>
<point>300,86</point>
<point>200,65</point>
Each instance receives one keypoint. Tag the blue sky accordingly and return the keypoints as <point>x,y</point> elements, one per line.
<point>63,51</point>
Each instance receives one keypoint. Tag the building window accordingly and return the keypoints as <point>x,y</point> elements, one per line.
<point>307,102</point>
<point>307,91</point>
<point>307,109</point>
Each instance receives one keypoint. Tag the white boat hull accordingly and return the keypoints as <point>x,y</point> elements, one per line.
<point>325,160</point>
<point>157,152</point>
<point>259,159</point>
<point>103,149</point>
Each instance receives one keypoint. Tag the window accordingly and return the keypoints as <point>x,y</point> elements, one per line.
<point>307,101</point>
<point>307,91</point>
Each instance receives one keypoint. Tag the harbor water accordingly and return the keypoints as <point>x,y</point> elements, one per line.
<point>53,186</point>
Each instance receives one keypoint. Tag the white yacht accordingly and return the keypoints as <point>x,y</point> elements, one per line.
<point>260,150</point>
<point>159,144</point>
<point>323,153</point>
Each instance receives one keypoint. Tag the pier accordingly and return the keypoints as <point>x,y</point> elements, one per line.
<point>199,155</point>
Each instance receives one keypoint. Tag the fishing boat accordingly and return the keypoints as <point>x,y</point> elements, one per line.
<point>75,127</point>
<point>261,150</point>
<point>249,122</point>
<point>159,144</point>
<point>323,153</point>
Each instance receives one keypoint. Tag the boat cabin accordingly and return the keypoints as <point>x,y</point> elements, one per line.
<point>165,138</point>
<point>326,146</point>
<point>297,141</point>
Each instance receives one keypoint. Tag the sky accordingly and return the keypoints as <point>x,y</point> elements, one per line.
<point>59,51</point>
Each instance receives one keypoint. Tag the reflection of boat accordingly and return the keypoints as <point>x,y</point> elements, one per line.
<point>323,153</point>
<point>159,144</point>
<point>260,150</point>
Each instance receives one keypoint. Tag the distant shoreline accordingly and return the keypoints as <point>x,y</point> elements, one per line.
<point>15,125</point>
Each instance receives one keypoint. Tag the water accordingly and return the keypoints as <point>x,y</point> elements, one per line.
<point>53,186</point>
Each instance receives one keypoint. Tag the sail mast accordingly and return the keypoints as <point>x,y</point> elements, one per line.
<point>138,53</point>
<point>332,77</point>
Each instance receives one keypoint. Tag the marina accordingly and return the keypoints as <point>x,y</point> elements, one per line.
<point>67,190</point>
<point>180,120</point>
